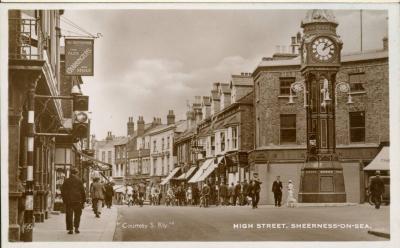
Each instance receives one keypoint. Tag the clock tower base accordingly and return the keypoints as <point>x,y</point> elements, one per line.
<point>322,182</point>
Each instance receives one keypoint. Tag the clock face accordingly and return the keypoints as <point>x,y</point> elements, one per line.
<point>323,49</point>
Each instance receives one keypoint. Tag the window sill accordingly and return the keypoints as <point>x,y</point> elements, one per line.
<point>286,96</point>
<point>358,93</point>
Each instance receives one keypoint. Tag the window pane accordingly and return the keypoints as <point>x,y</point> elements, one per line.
<point>288,121</point>
<point>288,136</point>
<point>357,119</point>
<point>60,156</point>
<point>285,85</point>
<point>357,135</point>
<point>357,81</point>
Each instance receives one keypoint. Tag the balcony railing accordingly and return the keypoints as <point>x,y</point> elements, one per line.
<point>25,39</point>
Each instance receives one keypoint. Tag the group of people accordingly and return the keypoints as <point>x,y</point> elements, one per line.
<point>219,194</point>
<point>101,195</point>
<point>134,194</point>
<point>243,193</point>
<point>277,188</point>
<point>74,198</point>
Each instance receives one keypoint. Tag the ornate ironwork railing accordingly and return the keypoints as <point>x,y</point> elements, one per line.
<point>25,39</point>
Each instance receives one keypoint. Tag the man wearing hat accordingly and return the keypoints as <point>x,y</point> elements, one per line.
<point>377,188</point>
<point>73,195</point>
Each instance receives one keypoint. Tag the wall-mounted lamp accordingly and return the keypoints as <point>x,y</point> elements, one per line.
<point>344,87</point>
<point>297,87</point>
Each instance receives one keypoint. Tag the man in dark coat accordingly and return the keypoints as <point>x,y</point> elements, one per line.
<point>377,188</point>
<point>245,192</point>
<point>236,193</point>
<point>231,193</point>
<point>109,193</point>
<point>205,194</point>
<point>256,188</point>
<point>142,192</point>
<point>73,195</point>
<point>97,194</point>
<point>223,194</point>
<point>277,190</point>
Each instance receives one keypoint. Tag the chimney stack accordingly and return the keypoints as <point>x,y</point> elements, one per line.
<point>131,127</point>
<point>170,117</point>
<point>109,136</point>
<point>140,126</point>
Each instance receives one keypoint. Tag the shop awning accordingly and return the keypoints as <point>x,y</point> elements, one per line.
<point>186,175</point>
<point>103,165</point>
<point>210,169</point>
<point>122,189</point>
<point>201,170</point>
<point>381,161</point>
<point>171,175</point>
<point>207,172</point>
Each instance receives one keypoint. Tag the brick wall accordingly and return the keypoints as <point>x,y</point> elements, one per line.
<point>246,127</point>
<point>375,103</point>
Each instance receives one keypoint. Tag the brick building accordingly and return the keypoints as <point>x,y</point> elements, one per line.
<point>41,149</point>
<point>227,135</point>
<point>138,151</point>
<point>280,128</point>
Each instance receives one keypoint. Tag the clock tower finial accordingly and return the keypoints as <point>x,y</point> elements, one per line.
<point>319,15</point>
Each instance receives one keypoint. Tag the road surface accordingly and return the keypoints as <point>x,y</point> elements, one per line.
<point>161,223</point>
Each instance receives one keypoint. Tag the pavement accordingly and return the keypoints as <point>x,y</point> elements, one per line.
<point>91,228</point>
<point>241,223</point>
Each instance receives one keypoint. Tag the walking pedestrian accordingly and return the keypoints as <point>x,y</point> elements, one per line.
<point>189,196</point>
<point>97,194</point>
<point>109,193</point>
<point>277,190</point>
<point>73,196</point>
<point>206,194</point>
<point>291,200</point>
<point>142,192</point>
<point>236,193</point>
<point>223,194</point>
<point>245,192</point>
<point>196,195</point>
<point>256,190</point>
<point>231,193</point>
<point>377,188</point>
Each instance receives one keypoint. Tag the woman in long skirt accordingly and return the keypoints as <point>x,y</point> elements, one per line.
<point>291,200</point>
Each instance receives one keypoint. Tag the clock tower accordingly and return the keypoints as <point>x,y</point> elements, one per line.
<point>322,174</point>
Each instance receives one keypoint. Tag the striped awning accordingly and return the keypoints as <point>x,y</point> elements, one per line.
<point>187,175</point>
<point>171,175</point>
<point>381,161</point>
<point>202,168</point>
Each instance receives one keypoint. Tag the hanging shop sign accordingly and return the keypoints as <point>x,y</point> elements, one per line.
<point>79,59</point>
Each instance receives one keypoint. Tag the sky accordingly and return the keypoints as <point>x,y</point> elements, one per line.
<point>150,61</point>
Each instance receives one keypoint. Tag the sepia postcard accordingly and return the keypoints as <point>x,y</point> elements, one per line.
<point>200,122</point>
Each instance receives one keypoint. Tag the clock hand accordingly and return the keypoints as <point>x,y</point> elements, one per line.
<point>326,46</point>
